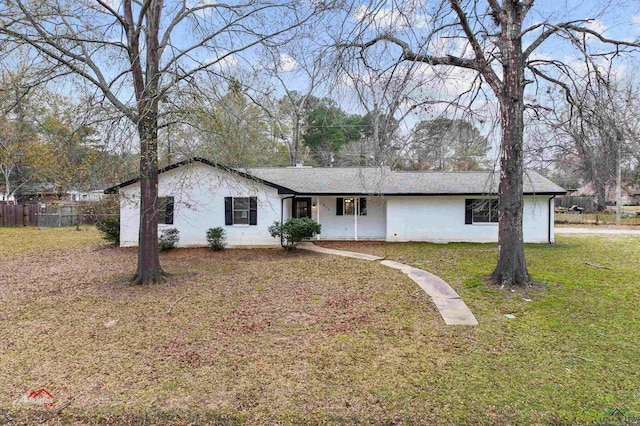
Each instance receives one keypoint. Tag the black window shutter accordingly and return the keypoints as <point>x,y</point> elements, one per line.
<point>294,208</point>
<point>253,211</point>
<point>168,212</point>
<point>468,212</point>
<point>228,210</point>
<point>339,206</point>
<point>363,206</point>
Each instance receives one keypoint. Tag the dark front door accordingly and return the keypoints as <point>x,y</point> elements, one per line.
<point>301,207</point>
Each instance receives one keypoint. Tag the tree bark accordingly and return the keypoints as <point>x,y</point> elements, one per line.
<point>149,270</point>
<point>296,138</point>
<point>601,196</point>
<point>512,267</point>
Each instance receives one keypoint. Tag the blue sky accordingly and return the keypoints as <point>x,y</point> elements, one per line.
<point>617,19</point>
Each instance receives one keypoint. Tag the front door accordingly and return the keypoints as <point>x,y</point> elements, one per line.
<point>301,207</point>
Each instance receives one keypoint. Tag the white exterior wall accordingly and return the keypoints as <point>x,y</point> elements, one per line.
<point>442,220</point>
<point>371,226</point>
<point>199,192</point>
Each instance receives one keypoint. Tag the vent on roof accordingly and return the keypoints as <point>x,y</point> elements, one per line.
<point>299,166</point>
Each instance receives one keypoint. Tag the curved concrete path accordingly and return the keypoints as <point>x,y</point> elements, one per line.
<point>450,305</point>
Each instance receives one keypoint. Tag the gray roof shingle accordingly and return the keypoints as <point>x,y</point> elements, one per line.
<point>374,181</point>
<point>382,180</point>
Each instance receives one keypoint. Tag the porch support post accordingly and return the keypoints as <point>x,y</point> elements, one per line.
<point>317,213</point>
<point>356,202</point>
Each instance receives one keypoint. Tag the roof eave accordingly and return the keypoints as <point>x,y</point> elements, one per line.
<point>419,194</point>
<point>281,189</point>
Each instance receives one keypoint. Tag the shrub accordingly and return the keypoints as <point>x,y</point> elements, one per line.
<point>110,229</point>
<point>168,239</point>
<point>216,238</point>
<point>294,230</point>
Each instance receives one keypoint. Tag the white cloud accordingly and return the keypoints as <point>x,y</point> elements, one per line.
<point>286,63</point>
<point>540,56</point>
<point>635,19</point>
<point>390,19</point>
<point>597,26</point>
<point>223,60</point>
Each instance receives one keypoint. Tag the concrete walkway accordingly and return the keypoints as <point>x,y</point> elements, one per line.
<point>596,231</point>
<point>450,305</point>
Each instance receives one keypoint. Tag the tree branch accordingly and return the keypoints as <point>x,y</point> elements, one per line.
<point>482,65</point>
<point>409,55</point>
<point>567,27</point>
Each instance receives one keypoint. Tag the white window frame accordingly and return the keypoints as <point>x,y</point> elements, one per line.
<point>234,210</point>
<point>492,210</point>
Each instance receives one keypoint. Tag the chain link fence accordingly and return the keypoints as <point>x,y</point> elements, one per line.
<point>77,214</point>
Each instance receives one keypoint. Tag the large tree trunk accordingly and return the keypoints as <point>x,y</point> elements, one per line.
<point>601,195</point>
<point>512,266</point>
<point>149,269</point>
<point>296,139</point>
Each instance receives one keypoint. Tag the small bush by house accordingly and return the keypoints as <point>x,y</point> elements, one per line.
<point>110,229</point>
<point>294,230</point>
<point>168,239</point>
<point>216,238</point>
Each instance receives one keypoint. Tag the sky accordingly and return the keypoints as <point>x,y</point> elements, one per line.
<point>616,19</point>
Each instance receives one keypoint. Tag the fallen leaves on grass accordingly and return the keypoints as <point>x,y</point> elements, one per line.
<point>268,334</point>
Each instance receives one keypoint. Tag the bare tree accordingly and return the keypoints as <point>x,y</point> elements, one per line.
<point>488,38</point>
<point>137,53</point>
<point>598,129</point>
<point>303,60</point>
<point>445,144</point>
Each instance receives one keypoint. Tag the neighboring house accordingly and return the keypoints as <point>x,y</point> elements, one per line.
<point>85,196</point>
<point>629,193</point>
<point>48,192</point>
<point>349,203</point>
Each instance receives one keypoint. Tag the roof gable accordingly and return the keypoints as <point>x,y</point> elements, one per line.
<point>281,189</point>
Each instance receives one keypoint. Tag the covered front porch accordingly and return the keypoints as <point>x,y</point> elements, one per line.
<point>344,217</point>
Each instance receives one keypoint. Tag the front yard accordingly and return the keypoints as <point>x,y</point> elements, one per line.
<point>262,336</point>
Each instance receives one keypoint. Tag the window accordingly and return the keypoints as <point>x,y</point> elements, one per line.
<point>481,211</point>
<point>301,207</point>
<point>165,210</point>
<point>241,210</point>
<point>347,206</point>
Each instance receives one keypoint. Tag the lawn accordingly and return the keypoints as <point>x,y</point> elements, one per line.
<point>263,336</point>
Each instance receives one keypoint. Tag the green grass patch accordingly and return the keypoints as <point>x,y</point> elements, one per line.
<point>262,336</point>
<point>14,241</point>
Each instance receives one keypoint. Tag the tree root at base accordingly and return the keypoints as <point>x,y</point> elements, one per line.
<point>149,277</point>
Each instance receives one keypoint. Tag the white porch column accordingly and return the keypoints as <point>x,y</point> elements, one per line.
<point>317,213</point>
<point>356,202</point>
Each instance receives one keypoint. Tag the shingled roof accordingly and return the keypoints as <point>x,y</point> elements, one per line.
<point>384,181</point>
<point>375,181</point>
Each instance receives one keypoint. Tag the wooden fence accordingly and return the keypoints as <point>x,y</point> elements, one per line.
<point>49,215</point>
<point>56,215</point>
<point>18,215</point>
<point>587,203</point>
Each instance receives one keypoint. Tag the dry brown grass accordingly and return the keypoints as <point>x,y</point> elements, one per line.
<point>255,336</point>
<point>266,337</point>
